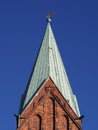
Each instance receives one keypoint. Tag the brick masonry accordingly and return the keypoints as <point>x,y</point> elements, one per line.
<point>48,110</point>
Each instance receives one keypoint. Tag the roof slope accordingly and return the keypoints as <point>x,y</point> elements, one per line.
<point>49,64</point>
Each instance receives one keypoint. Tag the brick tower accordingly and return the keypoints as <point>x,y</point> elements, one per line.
<point>48,102</point>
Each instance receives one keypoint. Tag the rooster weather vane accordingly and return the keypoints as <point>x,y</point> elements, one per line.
<point>49,15</point>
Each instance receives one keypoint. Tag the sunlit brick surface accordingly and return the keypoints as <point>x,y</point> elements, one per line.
<point>49,111</point>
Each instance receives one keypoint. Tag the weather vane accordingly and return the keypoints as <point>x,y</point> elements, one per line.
<point>49,15</point>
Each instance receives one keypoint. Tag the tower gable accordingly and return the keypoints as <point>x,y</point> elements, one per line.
<point>48,110</point>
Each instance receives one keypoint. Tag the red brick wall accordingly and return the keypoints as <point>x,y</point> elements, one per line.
<point>49,111</point>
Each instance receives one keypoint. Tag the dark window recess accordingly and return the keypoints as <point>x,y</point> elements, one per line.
<point>57,98</point>
<point>40,98</point>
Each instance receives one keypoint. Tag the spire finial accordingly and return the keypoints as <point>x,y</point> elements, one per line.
<point>49,15</point>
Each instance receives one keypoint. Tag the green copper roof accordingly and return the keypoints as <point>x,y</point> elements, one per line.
<point>49,64</point>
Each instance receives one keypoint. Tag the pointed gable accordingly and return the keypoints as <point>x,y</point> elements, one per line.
<point>49,64</point>
<point>49,110</point>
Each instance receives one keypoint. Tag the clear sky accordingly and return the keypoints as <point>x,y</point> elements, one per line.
<point>75,26</point>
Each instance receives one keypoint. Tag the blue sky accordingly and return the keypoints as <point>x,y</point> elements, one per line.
<point>22,26</point>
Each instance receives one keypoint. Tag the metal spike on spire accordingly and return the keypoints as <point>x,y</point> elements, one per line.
<point>49,15</point>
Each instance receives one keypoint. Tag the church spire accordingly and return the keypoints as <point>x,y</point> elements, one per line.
<point>49,64</point>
